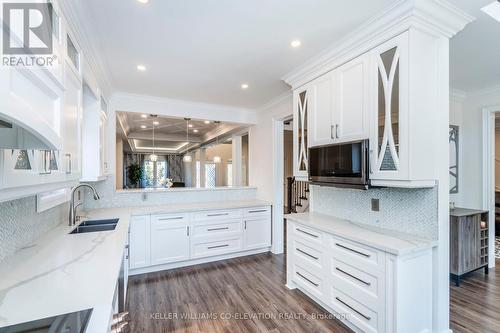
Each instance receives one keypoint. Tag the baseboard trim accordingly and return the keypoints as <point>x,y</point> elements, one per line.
<point>191,262</point>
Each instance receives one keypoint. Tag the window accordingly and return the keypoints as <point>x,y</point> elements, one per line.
<point>210,178</point>
<point>155,173</point>
<point>230,174</point>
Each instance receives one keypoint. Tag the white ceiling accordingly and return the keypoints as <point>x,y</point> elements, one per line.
<point>203,50</point>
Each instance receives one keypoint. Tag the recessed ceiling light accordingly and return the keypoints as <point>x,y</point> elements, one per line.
<point>244,86</point>
<point>143,1</point>
<point>190,125</point>
<point>144,116</point>
<point>295,43</point>
<point>141,68</point>
<point>155,123</point>
<point>207,122</point>
<point>493,10</point>
<point>196,131</point>
<point>143,126</point>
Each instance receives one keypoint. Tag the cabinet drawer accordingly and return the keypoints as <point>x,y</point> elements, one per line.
<point>356,313</point>
<point>308,233</point>
<point>169,220</point>
<point>215,228</point>
<point>357,284</point>
<point>308,254</point>
<point>205,249</point>
<point>218,215</point>
<point>257,211</point>
<point>360,256</point>
<point>308,280</point>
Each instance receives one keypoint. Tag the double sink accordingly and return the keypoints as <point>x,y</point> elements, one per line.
<point>95,225</point>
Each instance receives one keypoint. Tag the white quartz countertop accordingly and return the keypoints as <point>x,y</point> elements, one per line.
<point>63,273</point>
<point>194,207</point>
<point>385,240</point>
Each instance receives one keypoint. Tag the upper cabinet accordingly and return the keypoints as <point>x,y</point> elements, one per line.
<point>300,133</point>
<point>339,103</point>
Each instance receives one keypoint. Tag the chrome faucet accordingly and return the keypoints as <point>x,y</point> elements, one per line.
<point>72,207</point>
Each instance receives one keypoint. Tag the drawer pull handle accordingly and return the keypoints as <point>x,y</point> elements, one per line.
<point>352,250</point>
<point>218,214</point>
<point>217,246</point>
<point>307,254</point>
<point>171,218</point>
<point>258,211</point>
<point>302,276</point>
<point>215,229</point>
<point>353,309</point>
<point>352,276</point>
<point>307,233</point>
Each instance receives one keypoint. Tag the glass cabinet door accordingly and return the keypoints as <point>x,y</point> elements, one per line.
<point>301,105</point>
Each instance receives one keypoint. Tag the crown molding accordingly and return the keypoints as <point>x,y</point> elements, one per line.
<point>492,90</point>
<point>72,12</point>
<point>436,17</point>
<point>129,102</point>
<point>275,101</point>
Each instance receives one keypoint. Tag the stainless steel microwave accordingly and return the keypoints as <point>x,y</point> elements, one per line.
<point>340,165</point>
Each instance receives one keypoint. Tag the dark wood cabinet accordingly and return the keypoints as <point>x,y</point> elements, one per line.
<point>468,242</point>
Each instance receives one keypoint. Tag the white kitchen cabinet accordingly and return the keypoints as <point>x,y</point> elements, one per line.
<point>399,148</point>
<point>338,104</point>
<point>257,232</point>
<point>94,143</point>
<point>140,242</point>
<point>300,133</point>
<point>72,122</point>
<point>169,238</point>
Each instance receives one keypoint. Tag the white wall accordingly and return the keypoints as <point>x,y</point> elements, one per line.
<point>471,189</point>
<point>456,118</point>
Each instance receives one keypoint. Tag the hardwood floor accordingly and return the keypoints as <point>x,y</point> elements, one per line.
<point>475,305</point>
<point>249,286</point>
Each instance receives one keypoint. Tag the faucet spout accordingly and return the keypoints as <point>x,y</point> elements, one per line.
<point>72,207</point>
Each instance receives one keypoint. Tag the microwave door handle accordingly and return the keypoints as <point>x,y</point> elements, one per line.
<point>337,131</point>
<point>331,132</point>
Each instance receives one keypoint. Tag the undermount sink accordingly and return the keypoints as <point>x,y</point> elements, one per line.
<point>95,225</point>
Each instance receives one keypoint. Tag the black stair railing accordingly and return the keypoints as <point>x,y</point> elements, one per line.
<point>297,192</point>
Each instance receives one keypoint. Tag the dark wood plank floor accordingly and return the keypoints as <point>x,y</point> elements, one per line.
<point>475,305</point>
<point>248,286</point>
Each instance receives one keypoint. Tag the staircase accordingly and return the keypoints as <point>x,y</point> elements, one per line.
<point>297,196</point>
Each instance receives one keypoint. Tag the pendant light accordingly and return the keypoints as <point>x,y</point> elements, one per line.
<point>153,157</point>
<point>217,158</point>
<point>187,158</point>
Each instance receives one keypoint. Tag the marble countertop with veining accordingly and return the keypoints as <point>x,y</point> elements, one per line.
<point>390,241</point>
<point>63,273</point>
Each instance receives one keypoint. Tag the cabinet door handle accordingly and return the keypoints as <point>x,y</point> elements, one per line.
<point>307,254</point>
<point>188,230</point>
<point>217,246</point>
<point>353,309</point>
<point>245,225</point>
<point>331,132</point>
<point>337,131</point>
<point>371,160</point>
<point>171,218</point>
<point>352,276</point>
<point>215,229</point>
<point>69,168</point>
<point>307,233</point>
<point>218,214</point>
<point>258,211</point>
<point>352,250</point>
<point>311,282</point>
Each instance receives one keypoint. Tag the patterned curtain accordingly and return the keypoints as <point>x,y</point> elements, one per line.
<point>175,168</point>
<point>174,163</point>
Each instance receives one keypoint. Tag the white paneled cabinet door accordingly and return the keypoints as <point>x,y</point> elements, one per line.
<point>321,108</point>
<point>350,114</point>
<point>300,136</point>
<point>257,232</point>
<point>72,121</point>
<point>389,136</point>
<point>139,242</point>
<point>169,239</point>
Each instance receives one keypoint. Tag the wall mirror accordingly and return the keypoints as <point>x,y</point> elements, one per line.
<point>160,152</point>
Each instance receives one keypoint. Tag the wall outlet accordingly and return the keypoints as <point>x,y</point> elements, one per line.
<point>144,196</point>
<point>375,205</point>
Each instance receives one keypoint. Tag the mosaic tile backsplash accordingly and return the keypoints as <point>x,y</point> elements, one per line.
<point>110,198</point>
<point>21,225</point>
<point>411,211</point>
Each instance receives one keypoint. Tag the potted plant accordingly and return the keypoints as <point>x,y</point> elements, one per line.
<point>135,174</point>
